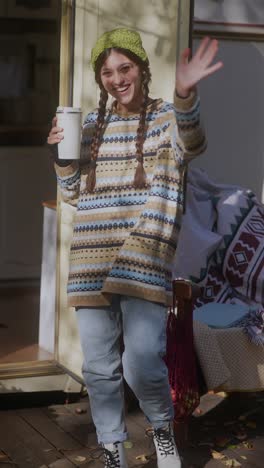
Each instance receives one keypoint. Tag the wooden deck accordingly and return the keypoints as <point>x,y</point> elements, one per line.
<point>63,436</point>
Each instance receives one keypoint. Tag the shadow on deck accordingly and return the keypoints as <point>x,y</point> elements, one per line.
<point>224,431</point>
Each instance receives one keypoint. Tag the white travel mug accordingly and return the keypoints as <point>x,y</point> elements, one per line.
<point>70,119</point>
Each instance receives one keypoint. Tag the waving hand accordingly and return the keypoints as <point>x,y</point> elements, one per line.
<point>190,72</point>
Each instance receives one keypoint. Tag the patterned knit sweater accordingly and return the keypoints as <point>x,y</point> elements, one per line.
<point>124,239</point>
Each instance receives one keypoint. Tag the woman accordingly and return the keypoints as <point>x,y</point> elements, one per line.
<point>129,196</point>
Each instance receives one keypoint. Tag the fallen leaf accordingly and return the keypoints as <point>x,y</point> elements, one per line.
<point>222,394</point>
<point>248,445</point>
<point>236,462</point>
<point>79,458</point>
<point>142,458</point>
<point>80,410</point>
<point>217,455</point>
<point>231,462</point>
<point>128,444</point>
<point>243,457</point>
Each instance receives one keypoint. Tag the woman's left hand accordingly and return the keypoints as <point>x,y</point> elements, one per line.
<point>188,73</point>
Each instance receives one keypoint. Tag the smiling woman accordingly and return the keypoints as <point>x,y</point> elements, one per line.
<point>128,191</point>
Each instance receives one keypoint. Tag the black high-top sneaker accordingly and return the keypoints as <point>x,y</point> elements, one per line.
<point>167,453</point>
<point>114,455</point>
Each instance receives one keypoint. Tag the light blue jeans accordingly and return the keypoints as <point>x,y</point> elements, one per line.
<point>143,324</point>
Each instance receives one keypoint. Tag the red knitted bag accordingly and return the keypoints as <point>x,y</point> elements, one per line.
<point>181,362</point>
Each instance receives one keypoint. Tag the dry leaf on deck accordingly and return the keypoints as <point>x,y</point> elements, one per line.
<point>231,462</point>
<point>142,458</point>
<point>79,458</point>
<point>217,455</point>
<point>222,394</point>
<point>80,410</point>
<point>248,445</point>
<point>128,444</point>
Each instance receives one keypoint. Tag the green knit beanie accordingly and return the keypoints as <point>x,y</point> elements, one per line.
<point>122,38</point>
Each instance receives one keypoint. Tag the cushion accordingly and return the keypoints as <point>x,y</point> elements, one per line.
<point>217,315</point>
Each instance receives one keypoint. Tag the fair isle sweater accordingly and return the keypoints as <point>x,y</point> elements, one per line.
<point>125,239</point>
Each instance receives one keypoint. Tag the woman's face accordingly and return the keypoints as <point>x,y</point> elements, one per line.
<point>121,77</point>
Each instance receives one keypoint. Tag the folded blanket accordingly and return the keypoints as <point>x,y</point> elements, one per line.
<point>253,326</point>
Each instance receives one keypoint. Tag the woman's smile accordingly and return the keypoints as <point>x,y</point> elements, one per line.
<point>123,89</point>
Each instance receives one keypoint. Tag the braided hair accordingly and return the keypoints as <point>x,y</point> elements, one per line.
<point>140,175</point>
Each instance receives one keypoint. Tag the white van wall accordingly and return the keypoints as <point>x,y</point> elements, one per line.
<point>233,113</point>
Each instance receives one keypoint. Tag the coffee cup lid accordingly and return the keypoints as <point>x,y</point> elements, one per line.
<point>68,110</point>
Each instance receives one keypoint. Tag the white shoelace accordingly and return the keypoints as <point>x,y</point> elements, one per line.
<point>111,458</point>
<point>165,442</point>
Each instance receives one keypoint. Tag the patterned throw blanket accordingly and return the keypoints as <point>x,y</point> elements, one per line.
<point>225,223</point>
